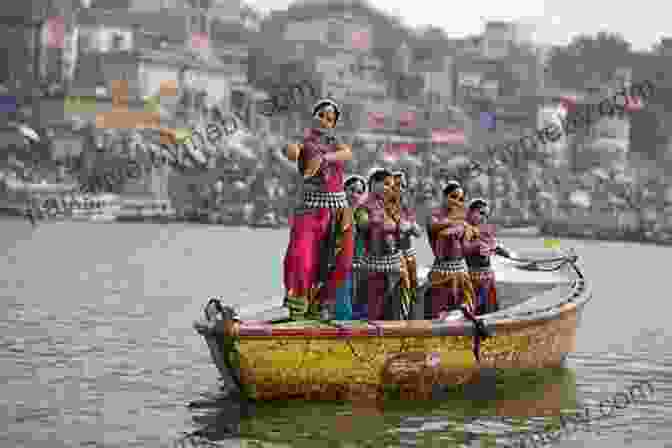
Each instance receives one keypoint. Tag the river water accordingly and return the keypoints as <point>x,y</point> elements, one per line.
<point>97,347</point>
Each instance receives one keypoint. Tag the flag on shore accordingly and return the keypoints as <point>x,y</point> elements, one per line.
<point>407,120</point>
<point>448,136</point>
<point>54,32</point>
<point>200,41</point>
<point>360,40</point>
<point>376,120</point>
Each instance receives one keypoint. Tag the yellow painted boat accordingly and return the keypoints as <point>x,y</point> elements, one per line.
<point>271,357</point>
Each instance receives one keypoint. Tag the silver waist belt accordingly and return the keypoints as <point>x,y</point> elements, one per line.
<point>324,199</point>
<point>382,263</point>
<point>449,266</point>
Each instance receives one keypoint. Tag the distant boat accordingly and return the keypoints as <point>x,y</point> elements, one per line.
<point>17,186</point>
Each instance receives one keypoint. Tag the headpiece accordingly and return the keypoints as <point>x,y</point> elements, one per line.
<point>373,170</point>
<point>377,175</point>
<point>353,179</point>
<point>326,104</point>
<point>480,204</point>
<point>451,186</point>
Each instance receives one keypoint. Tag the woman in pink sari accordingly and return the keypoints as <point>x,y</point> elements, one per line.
<point>318,263</point>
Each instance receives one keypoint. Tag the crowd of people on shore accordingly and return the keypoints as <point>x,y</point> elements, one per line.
<point>519,200</point>
<point>251,191</point>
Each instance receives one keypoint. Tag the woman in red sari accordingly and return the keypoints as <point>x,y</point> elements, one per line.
<point>318,263</point>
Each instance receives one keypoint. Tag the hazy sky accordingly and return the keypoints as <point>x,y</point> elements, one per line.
<point>642,23</point>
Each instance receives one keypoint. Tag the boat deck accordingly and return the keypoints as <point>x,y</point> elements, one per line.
<point>519,292</point>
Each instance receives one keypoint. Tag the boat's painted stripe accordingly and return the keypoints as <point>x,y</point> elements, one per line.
<point>253,330</point>
<point>307,333</point>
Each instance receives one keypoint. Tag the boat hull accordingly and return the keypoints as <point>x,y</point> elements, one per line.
<point>338,361</point>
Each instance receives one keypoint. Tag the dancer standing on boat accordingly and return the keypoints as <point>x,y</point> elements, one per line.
<point>478,253</point>
<point>356,191</point>
<point>450,285</point>
<point>409,228</point>
<point>378,220</point>
<point>318,263</point>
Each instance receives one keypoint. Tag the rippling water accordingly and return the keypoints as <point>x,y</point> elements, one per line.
<point>97,347</point>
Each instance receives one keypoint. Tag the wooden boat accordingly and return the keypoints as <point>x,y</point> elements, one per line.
<point>270,357</point>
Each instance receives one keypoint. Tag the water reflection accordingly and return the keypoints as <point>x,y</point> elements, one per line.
<point>492,407</point>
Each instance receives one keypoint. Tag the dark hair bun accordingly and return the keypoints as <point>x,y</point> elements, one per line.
<point>379,175</point>
<point>451,187</point>
<point>327,103</point>
<point>478,203</point>
<point>353,180</point>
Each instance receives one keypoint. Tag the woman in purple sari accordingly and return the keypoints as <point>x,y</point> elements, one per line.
<point>378,223</point>
<point>477,253</point>
<point>318,263</point>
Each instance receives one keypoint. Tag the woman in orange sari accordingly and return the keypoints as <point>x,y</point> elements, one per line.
<point>318,263</point>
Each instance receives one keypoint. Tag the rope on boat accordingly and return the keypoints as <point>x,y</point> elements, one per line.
<point>480,332</point>
<point>533,265</point>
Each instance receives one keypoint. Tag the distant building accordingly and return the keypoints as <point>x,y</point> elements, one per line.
<point>340,47</point>
<point>148,46</point>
